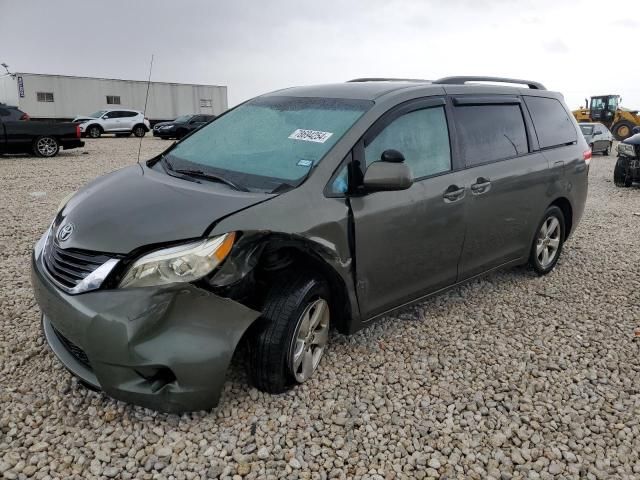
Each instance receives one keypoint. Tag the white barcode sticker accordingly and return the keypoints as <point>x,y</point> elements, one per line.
<point>310,135</point>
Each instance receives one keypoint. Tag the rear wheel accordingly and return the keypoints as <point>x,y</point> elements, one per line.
<point>292,334</point>
<point>622,130</point>
<point>549,240</point>
<point>620,177</point>
<point>139,131</point>
<point>46,146</point>
<point>94,131</point>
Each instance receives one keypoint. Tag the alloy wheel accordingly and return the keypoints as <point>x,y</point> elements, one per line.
<point>548,241</point>
<point>310,340</point>
<point>47,146</point>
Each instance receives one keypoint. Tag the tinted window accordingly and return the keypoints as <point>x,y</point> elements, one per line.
<point>423,138</point>
<point>129,114</point>
<point>491,132</point>
<point>551,121</point>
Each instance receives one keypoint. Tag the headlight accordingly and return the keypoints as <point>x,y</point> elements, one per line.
<point>626,149</point>
<point>184,263</point>
<point>64,202</point>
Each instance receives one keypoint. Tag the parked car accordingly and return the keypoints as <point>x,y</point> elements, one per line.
<point>627,168</point>
<point>181,126</point>
<point>9,113</point>
<point>40,138</point>
<point>298,211</point>
<point>122,122</point>
<point>599,138</point>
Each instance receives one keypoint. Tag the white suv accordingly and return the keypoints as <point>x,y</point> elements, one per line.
<point>121,122</point>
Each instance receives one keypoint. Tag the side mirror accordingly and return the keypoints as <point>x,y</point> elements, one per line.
<point>387,176</point>
<point>392,156</point>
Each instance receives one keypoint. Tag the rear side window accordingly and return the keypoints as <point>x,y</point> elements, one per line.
<point>490,132</point>
<point>423,138</point>
<point>551,121</point>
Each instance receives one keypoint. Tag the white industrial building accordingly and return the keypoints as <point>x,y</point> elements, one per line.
<point>62,97</point>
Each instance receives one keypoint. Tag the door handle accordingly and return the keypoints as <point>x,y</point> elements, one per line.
<point>482,185</point>
<point>453,193</point>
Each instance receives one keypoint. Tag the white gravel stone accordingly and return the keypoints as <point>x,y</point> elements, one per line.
<point>511,376</point>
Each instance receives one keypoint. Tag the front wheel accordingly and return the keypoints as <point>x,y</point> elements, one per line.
<point>46,147</point>
<point>139,131</point>
<point>94,131</point>
<point>549,240</point>
<point>622,130</point>
<point>292,334</point>
<point>620,177</point>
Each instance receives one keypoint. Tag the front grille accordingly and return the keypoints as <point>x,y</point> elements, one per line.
<point>73,349</point>
<point>70,266</point>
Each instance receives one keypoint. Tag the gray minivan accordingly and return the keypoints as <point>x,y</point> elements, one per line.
<point>298,211</point>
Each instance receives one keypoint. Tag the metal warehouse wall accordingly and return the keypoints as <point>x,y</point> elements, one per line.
<point>8,90</point>
<point>80,96</point>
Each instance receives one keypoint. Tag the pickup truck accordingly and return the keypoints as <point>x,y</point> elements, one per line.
<point>43,139</point>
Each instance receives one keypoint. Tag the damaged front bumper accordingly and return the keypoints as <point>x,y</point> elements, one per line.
<point>166,348</point>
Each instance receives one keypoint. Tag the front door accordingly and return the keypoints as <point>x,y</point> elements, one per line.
<point>111,121</point>
<point>408,243</point>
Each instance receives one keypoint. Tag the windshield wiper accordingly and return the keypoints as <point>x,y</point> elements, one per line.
<point>209,176</point>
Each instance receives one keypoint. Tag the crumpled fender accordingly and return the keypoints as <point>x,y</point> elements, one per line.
<point>128,334</point>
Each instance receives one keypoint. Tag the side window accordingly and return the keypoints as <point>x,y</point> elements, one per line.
<point>128,114</point>
<point>490,132</point>
<point>112,114</point>
<point>551,122</point>
<point>422,136</point>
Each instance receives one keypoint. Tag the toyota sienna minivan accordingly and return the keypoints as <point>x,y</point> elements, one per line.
<point>299,211</point>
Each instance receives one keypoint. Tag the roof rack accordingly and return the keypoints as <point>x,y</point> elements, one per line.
<point>381,79</point>
<point>463,80</point>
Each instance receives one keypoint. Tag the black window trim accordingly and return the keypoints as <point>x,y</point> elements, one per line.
<point>475,100</point>
<point>535,132</point>
<point>356,154</point>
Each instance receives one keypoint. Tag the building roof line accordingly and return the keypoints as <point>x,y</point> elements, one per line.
<point>115,79</point>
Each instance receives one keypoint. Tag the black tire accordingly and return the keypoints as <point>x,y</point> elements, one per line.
<point>94,131</point>
<point>46,146</point>
<point>534,260</point>
<point>622,130</point>
<point>139,131</point>
<point>620,177</point>
<point>271,340</point>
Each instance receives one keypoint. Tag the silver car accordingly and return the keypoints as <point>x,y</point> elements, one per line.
<point>598,137</point>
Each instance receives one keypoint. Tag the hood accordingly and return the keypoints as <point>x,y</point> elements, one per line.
<point>633,140</point>
<point>139,206</point>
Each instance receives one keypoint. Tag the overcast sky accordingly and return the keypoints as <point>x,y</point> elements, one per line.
<point>579,48</point>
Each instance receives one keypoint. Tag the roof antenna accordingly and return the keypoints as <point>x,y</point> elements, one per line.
<point>146,98</point>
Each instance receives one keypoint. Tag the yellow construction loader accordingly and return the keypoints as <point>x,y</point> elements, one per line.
<point>606,109</point>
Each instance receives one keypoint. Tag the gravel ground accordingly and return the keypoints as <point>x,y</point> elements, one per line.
<point>511,376</point>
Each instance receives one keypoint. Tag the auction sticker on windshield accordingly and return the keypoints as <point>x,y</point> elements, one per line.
<point>310,135</point>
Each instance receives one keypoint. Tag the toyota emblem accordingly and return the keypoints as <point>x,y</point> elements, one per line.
<point>65,231</point>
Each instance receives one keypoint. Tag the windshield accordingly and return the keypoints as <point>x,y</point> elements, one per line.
<point>586,129</point>
<point>97,114</point>
<point>182,118</point>
<point>269,141</point>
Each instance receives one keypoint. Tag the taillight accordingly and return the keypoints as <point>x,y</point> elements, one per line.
<point>587,156</point>
<point>78,131</point>
<point>24,117</point>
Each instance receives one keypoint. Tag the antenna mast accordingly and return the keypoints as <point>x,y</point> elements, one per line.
<point>146,99</point>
